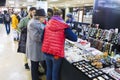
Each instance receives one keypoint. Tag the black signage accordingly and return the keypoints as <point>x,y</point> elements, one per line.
<point>2,2</point>
<point>107,13</point>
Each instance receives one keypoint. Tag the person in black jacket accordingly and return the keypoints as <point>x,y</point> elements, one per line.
<point>49,13</point>
<point>7,20</point>
<point>1,17</point>
<point>22,27</point>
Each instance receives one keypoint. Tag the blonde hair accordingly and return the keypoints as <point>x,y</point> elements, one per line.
<point>57,11</point>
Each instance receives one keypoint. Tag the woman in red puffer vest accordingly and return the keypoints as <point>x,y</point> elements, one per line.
<point>55,33</point>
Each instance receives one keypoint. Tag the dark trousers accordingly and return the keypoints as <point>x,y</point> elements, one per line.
<point>43,63</point>
<point>34,70</point>
<point>7,25</point>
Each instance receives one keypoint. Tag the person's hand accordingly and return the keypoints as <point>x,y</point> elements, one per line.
<point>56,57</point>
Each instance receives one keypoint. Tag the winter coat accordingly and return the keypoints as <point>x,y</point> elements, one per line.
<point>54,37</point>
<point>14,21</point>
<point>1,18</point>
<point>22,42</point>
<point>22,26</point>
<point>34,42</point>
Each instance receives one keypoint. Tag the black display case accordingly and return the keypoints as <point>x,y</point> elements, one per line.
<point>72,72</point>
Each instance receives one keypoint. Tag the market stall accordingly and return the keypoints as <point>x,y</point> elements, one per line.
<point>83,62</point>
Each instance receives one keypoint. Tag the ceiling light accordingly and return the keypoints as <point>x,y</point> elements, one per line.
<point>11,2</point>
<point>87,4</point>
<point>12,6</point>
<point>17,5</point>
<point>24,4</point>
<point>30,0</point>
<point>53,0</point>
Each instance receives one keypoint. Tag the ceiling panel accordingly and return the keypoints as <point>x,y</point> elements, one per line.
<point>51,3</point>
<point>70,3</point>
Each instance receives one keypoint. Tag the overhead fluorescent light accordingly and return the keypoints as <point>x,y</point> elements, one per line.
<point>11,2</point>
<point>24,4</point>
<point>17,5</point>
<point>12,6</point>
<point>88,4</point>
<point>30,0</point>
<point>53,0</point>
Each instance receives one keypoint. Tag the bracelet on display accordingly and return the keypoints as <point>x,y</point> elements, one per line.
<point>97,44</point>
<point>89,31</point>
<point>101,34</point>
<point>110,50</point>
<point>119,39</point>
<point>91,40</point>
<point>91,34</point>
<point>95,34</point>
<point>107,35</point>
<point>98,34</point>
<point>100,45</point>
<point>107,46</point>
<point>115,39</point>
<point>103,47</point>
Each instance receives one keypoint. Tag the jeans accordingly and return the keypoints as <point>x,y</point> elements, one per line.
<point>7,25</point>
<point>53,67</point>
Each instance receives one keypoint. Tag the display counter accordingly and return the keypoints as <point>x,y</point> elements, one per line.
<point>69,72</point>
<point>76,65</point>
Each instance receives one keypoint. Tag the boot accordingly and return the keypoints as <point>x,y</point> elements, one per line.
<point>26,66</point>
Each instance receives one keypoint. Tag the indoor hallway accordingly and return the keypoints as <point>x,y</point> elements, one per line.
<point>11,62</point>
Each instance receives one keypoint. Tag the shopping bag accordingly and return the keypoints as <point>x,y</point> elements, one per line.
<point>15,35</point>
<point>41,69</point>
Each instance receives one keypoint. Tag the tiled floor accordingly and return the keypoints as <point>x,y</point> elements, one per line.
<point>11,63</point>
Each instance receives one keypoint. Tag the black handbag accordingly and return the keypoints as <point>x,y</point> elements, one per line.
<point>22,42</point>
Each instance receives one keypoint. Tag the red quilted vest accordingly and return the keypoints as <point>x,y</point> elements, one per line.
<point>54,38</point>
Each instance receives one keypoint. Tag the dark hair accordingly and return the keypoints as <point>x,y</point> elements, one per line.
<point>57,12</point>
<point>50,11</point>
<point>5,12</point>
<point>32,8</point>
<point>21,9</point>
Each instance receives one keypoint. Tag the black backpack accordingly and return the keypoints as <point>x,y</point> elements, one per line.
<point>7,17</point>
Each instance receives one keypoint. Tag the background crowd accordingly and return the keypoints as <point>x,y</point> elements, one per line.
<point>41,38</point>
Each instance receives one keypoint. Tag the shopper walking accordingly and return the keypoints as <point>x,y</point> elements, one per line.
<point>22,27</point>
<point>7,20</point>
<point>1,17</point>
<point>34,42</point>
<point>23,13</point>
<point>14,26</point>
<point>55,33</point>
